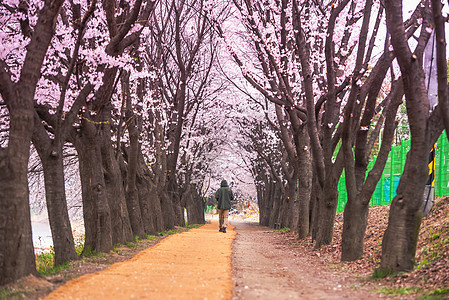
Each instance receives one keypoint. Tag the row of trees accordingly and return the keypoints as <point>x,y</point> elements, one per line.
<point>331,77</point>
<point>133,91</point>
<point>127,90</point>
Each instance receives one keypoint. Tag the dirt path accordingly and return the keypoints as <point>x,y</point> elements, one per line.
<point>191,265</point>
<point>197,265</point>
<point>266,269</point>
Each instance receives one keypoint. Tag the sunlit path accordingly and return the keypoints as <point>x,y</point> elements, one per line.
<point>191,265</point>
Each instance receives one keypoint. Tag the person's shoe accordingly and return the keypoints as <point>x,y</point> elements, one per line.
<point>224,230</point>
<point>220,230</point>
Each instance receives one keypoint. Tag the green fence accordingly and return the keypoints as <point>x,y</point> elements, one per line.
<point>386,187</point>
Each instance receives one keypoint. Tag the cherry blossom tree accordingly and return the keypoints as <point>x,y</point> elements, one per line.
<point>19,75</point>
<point>362,127</point>
<point>106,214</point>
<point>400,238</point>
<point>182,52</point>
<point>324,114</point>
<point>267,161</point>
<point>272,71</point>
<point>61,114</point>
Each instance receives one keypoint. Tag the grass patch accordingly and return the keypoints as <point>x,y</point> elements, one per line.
<point>88,252</point>
<point>193,226</point>
<point>435,236</point>
<point>13,293</point>
<point>435,295</point>
<point>5,293</point>
<point>432,297</point>
<point>422,264</point>
<point>150,237</point>
<point>79,244</point>
<point>381,273</point>
<point>45,261</point>
<point>45,264</point>
<point>131,245</point>
<point>398,291</point>
<point>166,232</point>
<point>55,270</point>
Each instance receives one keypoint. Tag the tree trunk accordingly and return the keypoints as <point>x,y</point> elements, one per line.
<point>401,236</point>
<point>292,213</point>
<point>58,215</point>
<point>314,200</point>
<point>265,199</point>
<point>168,212</point>
<point>195,207</point>
<point>160,177</point>
<point>61,230</point>
<point>284,211</point>
<point>132,196</point>
<point>277,203</point>
<point>304,188</point>
<point>115,195</point>
<point>261,203</point>
<point>16,243</point>
<point>148,214</point>
<point>175,199</point>
<point>96,213</point>
<point>115,192</point>
<point>362,187</point>
<point>88,206</point>
<point>51,155</point>
<point>150,202</point>
<point>134,125</point>
<point>327,200</point>
<point>304,196</point>
<point>327,208</point>
<point>355,220</point>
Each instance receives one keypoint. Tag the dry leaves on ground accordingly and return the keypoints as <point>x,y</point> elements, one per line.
<point>431,272</point>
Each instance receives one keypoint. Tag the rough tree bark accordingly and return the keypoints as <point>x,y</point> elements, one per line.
<point>149,199</point>
<point>322,139</point>
<point>132,200</point>
<point>400,238</point>
<point>356,143</point>
<point>357,206</point>
<point>264,188</point>
<point>115,191</point>
<point>16,245</point>
<point>96,131</point>
<point>304,183</point>
<point>194,205</point>
<point>53,166</point>
<point>50,148</point>
<point>96,212</point>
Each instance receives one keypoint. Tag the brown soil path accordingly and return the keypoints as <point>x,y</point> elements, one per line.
<point>191,265</point>
<point>266,268</point>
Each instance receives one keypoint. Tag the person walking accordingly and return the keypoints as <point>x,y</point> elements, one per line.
<point>224,197</point>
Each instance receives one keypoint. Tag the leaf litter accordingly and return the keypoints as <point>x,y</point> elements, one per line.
<point>430,275</point>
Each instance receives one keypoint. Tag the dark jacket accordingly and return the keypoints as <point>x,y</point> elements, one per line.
<point>224,196</point>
